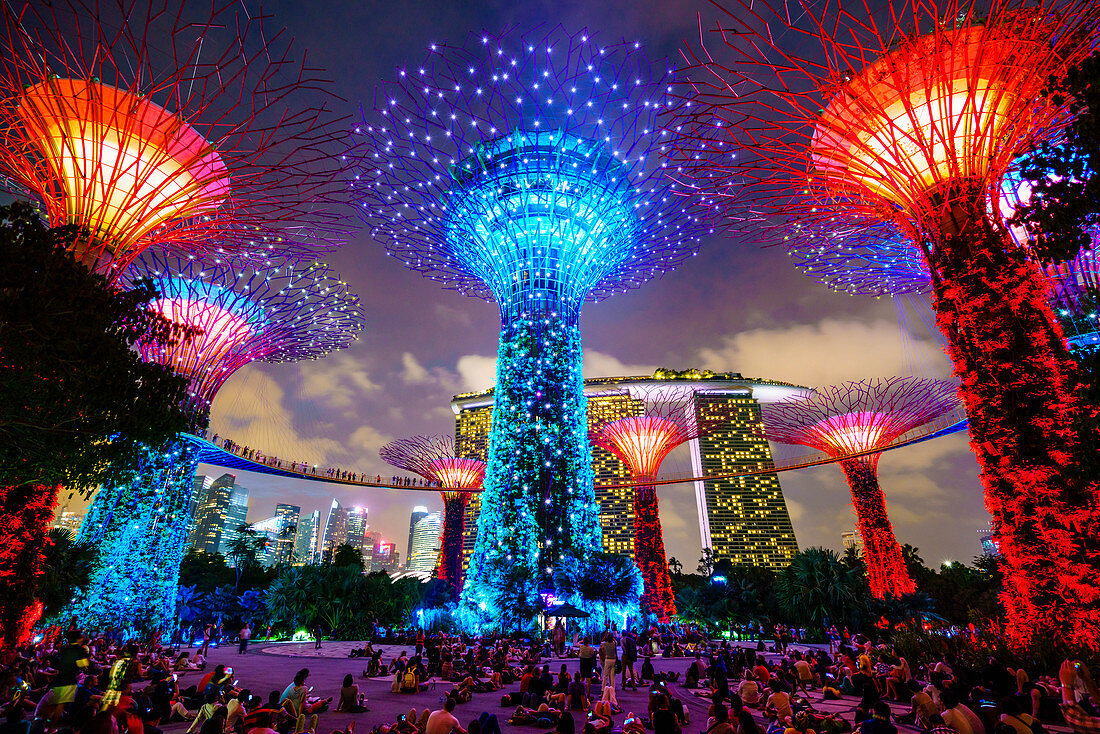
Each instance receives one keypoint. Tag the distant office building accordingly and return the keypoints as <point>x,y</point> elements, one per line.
<point>424,549</point>
<point>989,542</point>
<point>357,527</point>
<point>371,540</point>
<point>418,513</point>
<point>744,519</point>
<point>287,532</point>
<point>211,512</point>
<point>386,558</point>
<point>235,516</point>
<point>70,521</point>
<point>336,531</point>
<point>268,529</point>
<point>199,494</point>
<point>305,541</point>
<point>850,539</point>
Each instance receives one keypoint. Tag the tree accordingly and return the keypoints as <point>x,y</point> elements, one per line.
<point>347,554</point>
<point>675,567</point>
<point>66,564</point>
<point>818,589</point>
<point>606,582</point>
<point>79,405</point>
<point>245,548</point>
<point>706,563</point>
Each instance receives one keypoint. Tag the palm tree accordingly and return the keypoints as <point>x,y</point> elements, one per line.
<point>675,567</point>
<point>66,564</point>
<point>611,581</point>
<point>245,548</point>
<point>818,588</point>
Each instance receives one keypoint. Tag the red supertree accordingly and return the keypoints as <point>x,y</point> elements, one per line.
<point>858,418</point>
<point>149,123</point>
<point>856,116</point>
<point>433,458</point>
<point>642,443</point>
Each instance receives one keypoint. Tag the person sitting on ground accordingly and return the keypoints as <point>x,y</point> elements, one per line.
<point>578,696</point>
<point>1012,715</point>
<point>294,698</point>
<point>351,700</point>
<point>879,723</point>
<point>922,708</point>
<point>778,705</point>
<point>958,715</point>
<point>647,673</point>
<point>260,723</point>
<point>443,721</point>
<point>719,721</point>
<point>749,691</point>
<point>410,681</point>
<point>209,706</point>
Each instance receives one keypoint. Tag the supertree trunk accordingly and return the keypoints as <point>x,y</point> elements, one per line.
<point>1017,381</point>
<point>139,530</point>
<point>454,530</point>
<point>538,502</point>
<point>25,514</point>
<point>886,571</point>
<point>649,555</point>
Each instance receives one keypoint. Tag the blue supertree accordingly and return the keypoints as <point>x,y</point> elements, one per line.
<point>529,170</point>
<point>234,313</point>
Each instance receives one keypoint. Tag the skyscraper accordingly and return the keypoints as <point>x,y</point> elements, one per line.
<point>850,540</point>
<point>70,521</point>
<point>386,558</point>
<point>336,531</point>
<point>357,527</point>
<point>305,542</point>
<point>235,516</point>
<point>210,513</point>
<point>744,520</point>
<point>268,529</point>
<point>424,548</point>
<point>287,533</point>
<point>371,540</point>
<point>418,513</point>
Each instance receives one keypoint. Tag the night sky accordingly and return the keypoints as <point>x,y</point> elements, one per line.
<point>735,307</point>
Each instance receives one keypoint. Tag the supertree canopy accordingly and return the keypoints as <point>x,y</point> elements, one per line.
<point>856,418</point>
<point>234,314</point>
<point>642,443</point>
<point>146,124</point>
<point>853,113</point>
<point>529,170</point>
<point>433,458</point>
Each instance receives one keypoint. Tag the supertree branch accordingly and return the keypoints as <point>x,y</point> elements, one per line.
<point>856,417</point>
<point>879,121</point>
<point>236,313</point>
<point>642,443</point>
<point>433,458</point>
<point>198,129</point>
<point>530,170</point>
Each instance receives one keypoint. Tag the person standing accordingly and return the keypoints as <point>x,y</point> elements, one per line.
<point>609,655</point>
<point>243,636</point>
<point>207,633</point>
<point>587,655</point>
<point>317,634</point>
<point>630,656</point>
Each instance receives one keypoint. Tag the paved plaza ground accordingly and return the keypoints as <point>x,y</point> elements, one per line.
<point>270,666</point>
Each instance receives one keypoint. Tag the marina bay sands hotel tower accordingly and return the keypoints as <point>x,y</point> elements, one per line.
<point>743,519</point>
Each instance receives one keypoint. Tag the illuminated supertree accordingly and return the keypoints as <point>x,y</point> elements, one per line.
<point>433,458</point>
<point>909,116</point>
<point>858,418</point>
<point>146,124</point>
<point>235,315</point>
<point>529,171</point>
<point>642,443</point>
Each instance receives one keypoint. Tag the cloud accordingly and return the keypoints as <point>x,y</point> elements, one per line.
<point>479,372</point>
<point>414,373</point>
<point>368,440</point>
<point>598,364</point>
<point>338,381</point>
<point>250,410</point>
<point>827,352</point>
<point>411,370</point>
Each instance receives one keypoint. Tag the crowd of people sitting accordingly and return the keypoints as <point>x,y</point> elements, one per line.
<point>75,685</point>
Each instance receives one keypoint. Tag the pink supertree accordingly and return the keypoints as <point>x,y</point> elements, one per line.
<point>433,458</point>
<point>146,123</point>
<point>852,115</point>
<point>854,419</point>
<point>642,443</point>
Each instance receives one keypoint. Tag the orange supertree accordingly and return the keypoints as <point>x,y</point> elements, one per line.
<point>910,115</point>
<point>148,123</point>
<point>642,443</point>
<point>433,458</point>
<point>854,419</point>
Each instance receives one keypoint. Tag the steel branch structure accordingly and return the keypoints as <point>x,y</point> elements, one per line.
<point>642,443</point>
<point>196,129</point>
<point>857,417</point>
<point>909,117</point>
<point>433,458</point>
<point>529,170</point>
<point>236,315</point>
